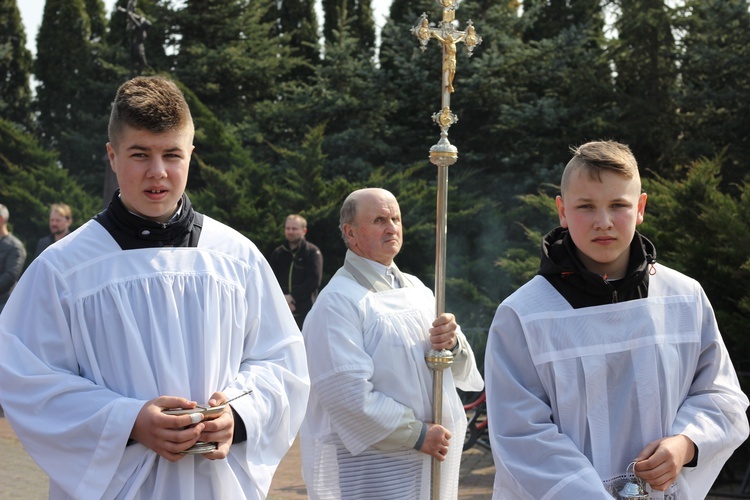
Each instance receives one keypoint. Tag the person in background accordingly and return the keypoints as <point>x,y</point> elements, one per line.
<point>60,218</point>
<point>298,267</point>
<point>368,432</point>
<point>606,373</point>
<point>12,258</point>
<point>152,306</point>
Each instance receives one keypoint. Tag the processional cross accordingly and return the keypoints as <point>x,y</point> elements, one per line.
<point>443,154</point>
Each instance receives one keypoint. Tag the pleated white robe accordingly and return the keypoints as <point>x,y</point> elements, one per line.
<point>366,355</point>
<point>93,332</point>
<point>575,394</point>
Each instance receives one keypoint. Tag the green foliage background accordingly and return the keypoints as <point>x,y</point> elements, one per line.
<point>288,121</point>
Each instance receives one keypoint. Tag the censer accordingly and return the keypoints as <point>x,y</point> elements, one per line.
<point>633,490</point>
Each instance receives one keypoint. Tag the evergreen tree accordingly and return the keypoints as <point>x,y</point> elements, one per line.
<point>75,90</point>
<point>356,15</point>
<point>302,182</point>
<point>30,180</point>
<point>407,11</point>
<point>551,17</point>
<point>346,95</point>
<point>160,35</point>
<point>224,181</point>
<point>15,67</point>
<point>299,186</point>
<point>296,25</point>
<point>363,24</point>
<point>354,107</point>
<point>714,101</point>
<point>704,231</point>
<point>97,18</point>
<point>411,78</point>
<point>645,62</point>
<point>217,146</point>
<point>229,58</point>
<point>521,104</point>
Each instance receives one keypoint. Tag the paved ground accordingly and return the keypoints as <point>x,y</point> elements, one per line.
<point>475,481</point>
<point>20,478</point>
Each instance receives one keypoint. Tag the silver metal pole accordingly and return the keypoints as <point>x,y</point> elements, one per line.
<point>441,237</point>
<point>439,360</point>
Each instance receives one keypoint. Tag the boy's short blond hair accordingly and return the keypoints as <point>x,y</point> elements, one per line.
<point>596,156</point>
<point>151,103</point>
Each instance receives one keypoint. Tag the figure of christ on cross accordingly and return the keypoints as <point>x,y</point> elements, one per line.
<point>448,37</point>
<point>449,57</point>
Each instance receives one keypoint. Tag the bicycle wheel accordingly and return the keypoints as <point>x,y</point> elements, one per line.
<point>476,421</point>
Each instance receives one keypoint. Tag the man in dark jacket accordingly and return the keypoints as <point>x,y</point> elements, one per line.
<point>298,266</point>
<point>12,258</point>
<point>60,218</point>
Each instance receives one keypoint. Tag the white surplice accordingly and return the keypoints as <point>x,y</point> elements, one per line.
<point>93,332</point>
<point>575,394</point>
<point>366,348</point>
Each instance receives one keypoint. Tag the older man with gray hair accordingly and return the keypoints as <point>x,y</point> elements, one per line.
<point>368,431</point>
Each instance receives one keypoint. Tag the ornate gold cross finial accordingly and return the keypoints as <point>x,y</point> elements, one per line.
<point>448,36</point>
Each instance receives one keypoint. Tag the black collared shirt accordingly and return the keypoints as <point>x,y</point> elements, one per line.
<point>132,231</point>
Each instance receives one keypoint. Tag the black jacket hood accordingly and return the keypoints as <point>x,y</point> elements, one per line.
<point>562,268</point>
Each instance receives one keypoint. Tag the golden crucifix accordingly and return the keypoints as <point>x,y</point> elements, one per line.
<point>443,154</point>
<point>448,36</point>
